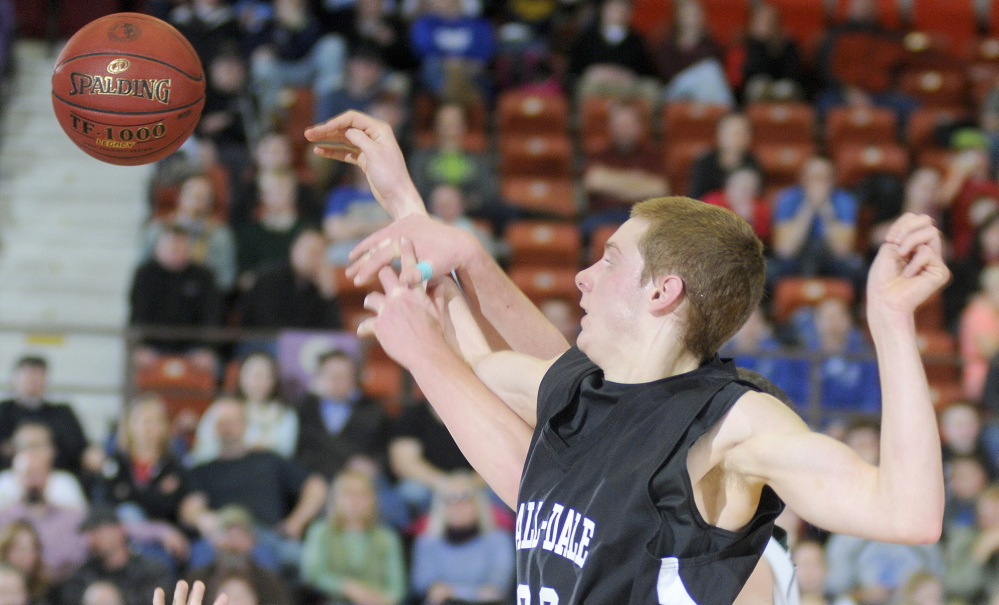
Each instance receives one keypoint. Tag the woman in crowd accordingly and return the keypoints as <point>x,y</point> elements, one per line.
<point>270,423</point>
<point>462,555</point>
<point>142,478</point>
<point>212,243</point>
<point>771,62</point>
<point>349,556</point>
<point>21,550</point>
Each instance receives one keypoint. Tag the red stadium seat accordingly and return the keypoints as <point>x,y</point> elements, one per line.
<point>680,156</point>
<point>727,19</point>
<point>940,159</point>
<point>954,20</point>
<point>854,162</point>
<point>936,88</point>
<point>782,122</point>
<point>791,293</point>
<point>542,156</point>
<point>688,121</point>
<point>651,18</point>
<point>922,123</point>
<point>382,379</point>
<point>543,244</point>
<point>804,20</point>
<point>859,125</point>
<point>889,12</point>
<point>532,114</point>
<point>782,163</point>
<point>183,386</point>
<point>542,284</point>
<point>546,196</point>
<point>945,392</point>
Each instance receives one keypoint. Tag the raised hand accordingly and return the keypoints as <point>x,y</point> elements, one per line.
<point>369,143</point>
<point>406,322</point>
<point>444,247</point>
<point>909,266</point>
<point>180,596</point>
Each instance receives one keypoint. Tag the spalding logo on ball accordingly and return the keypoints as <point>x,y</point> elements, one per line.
<point>128,89</point>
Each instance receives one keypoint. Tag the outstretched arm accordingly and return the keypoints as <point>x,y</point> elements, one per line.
<point>901,500</point>
<point>506,316</point>
<point>408,326</point>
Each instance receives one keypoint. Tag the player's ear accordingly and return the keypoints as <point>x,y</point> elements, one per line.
<point>666,294</point>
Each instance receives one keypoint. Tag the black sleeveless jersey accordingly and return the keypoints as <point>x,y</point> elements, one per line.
<point>611,519</point>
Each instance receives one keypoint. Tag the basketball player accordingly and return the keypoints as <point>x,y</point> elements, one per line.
<point>641,469</point>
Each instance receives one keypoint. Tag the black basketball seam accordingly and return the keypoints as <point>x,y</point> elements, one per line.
<point>173,67</point>
<point>129,113</point>
<point>173,31</point>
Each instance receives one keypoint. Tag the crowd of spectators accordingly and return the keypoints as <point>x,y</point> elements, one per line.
<point>330,496</point>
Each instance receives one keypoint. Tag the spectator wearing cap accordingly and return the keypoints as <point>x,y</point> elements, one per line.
<point>968,192</point>
<point>28,404</point>
<point>233,548</point>
<point>298,293</point>
<point>171,290</point>
<point>110,560</point>
<point>282,495</point>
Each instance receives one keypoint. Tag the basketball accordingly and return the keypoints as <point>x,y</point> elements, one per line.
<point>128,89</point>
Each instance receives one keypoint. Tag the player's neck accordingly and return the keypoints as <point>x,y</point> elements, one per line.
<point>646,364</point>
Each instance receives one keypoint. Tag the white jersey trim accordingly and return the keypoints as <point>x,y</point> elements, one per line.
<point>669,587</point>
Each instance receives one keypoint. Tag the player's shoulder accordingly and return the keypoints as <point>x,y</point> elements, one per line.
<point>754,414</point>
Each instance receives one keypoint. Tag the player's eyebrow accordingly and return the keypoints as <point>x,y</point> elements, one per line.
<point>612,246</point>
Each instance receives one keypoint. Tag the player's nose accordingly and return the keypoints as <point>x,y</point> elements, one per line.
<point>583,281</point>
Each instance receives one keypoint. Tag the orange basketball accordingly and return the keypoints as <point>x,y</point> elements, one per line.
<point>128,89</point>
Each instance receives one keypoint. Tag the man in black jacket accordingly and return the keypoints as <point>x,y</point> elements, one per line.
<point>297,294</point>
<point>336,422</point>
<point>28,405</point>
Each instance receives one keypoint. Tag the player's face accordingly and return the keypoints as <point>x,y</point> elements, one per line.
<point>613,292</point>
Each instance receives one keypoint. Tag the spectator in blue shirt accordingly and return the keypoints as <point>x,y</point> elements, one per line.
<point>453,49</point>
<point>757,336</point>
<point>352,214</point>
<point>848,383</point>
<point>815,228</point>
<point>462,557</point>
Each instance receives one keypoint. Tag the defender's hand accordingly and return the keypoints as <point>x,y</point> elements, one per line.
<point>369,143</point>
<point>444,247</point>
<point>909,267</point>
